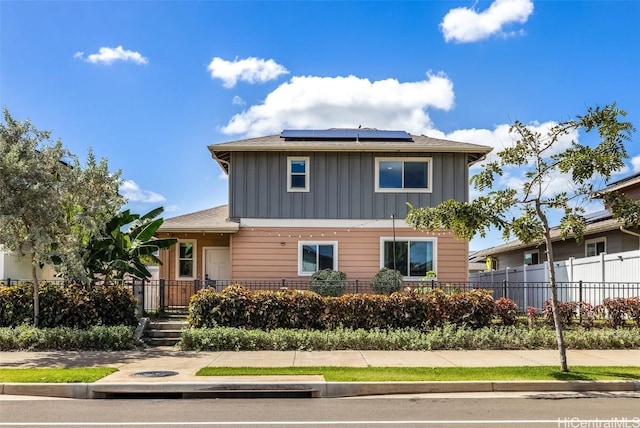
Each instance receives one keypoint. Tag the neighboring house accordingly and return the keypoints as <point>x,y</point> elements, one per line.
<point>307,200</point>
<point>602,235</point>
<point>13,267</point>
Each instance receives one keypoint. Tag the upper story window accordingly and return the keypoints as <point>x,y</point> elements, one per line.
<point>414,257</point>
<point>593,247</point>
<point>532,257</point>
<point>186,259</point>
<point>315,256</point>
<point>298,174</point>
<point>403,175</point>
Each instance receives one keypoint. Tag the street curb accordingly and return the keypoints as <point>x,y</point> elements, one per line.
<point>311,389</point>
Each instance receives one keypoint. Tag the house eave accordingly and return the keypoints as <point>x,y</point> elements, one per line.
<point>230,229</point>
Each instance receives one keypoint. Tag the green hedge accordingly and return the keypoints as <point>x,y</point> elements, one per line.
<point>448,336</point>
<point>73,305</point>
<point>98,338</point>
<point>267,310</point>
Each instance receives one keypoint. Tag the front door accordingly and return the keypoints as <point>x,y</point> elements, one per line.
<point>216,263</point>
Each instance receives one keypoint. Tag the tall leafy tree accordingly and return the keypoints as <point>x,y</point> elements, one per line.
<point>50,204</point>
<point>524,211</point>
<point>126,245</point>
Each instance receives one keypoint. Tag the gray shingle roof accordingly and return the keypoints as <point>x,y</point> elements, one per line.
<point>421,143</point>
<point>210,220</point>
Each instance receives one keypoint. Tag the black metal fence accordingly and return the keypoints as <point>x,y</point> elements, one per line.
<point>174,296</point>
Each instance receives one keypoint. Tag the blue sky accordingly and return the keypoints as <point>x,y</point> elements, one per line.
<point>149,85</point>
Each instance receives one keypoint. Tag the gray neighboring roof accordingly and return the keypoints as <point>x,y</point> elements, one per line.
<point>421,143</point>
<point>210,220</point>
<point>597,222</point>
<point>620,184</point>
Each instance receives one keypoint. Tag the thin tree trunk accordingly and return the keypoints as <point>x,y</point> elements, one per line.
<point>562,349</point>
<point>36,291</point>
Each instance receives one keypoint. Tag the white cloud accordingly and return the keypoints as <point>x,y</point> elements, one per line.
<point>330,102</point>
<point>238,101</point>
<point>110,55</point>
<point>635,164</point>
<point>250,70</point>
<point>130,190</point>
<point>465,25</point>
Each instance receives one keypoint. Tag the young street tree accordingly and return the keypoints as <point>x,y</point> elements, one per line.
<point>524,212</point>
<point>50,204</point>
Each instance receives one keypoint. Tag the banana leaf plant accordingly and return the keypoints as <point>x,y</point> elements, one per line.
<point>126,247</point>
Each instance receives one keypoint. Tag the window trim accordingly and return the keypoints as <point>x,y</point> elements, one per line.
<point>602,239</point>
<point>524,257</point>
<point>427,160</point>
<point>303,243</point>
<point>433,240</point>
<point>194,259</point>
<point>307,173</point>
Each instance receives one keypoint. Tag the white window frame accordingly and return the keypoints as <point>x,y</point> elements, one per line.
<point>194,259</point>
<point>595,241</point>
<point>427,160</point>
<point>307,173</point>
<point>301,272</point>
<point>434,242</point>
<point>524,257</point>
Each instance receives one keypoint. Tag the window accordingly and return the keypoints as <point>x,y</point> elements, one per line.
<point>315,256</point>
<point>186,259</point>
<point>414,257</point>
<point>297,174</point>
<point>593,247</point>
<point>403,175</point>
<point>532,257</point>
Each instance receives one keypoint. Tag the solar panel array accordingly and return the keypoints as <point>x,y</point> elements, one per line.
<point>344,134</point>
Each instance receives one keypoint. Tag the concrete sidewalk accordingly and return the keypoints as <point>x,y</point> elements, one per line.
<point>134,366</point>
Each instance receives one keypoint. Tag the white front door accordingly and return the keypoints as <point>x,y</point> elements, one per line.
<point>216,263</point>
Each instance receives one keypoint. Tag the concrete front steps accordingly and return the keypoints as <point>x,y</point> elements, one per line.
<point>165,332</point>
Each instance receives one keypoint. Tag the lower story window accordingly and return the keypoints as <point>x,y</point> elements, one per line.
<point>413,257</point>
<point>185,259</point>
<point>315,256</point>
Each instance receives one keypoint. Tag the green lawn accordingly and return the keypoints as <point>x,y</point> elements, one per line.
<point>49,375</point>
<point>415,374</point>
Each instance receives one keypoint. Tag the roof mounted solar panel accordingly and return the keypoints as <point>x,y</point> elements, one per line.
<point>345,134</point>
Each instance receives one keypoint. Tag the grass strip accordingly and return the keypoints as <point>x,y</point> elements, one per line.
<point>418,374</point>
<point>55,375</point>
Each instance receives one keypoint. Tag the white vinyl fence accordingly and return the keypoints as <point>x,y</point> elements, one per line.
<point>589,279</point>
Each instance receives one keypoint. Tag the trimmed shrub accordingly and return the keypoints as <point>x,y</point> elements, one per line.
<point>16,305</point>
<point>238,307</point>
<point>506,310</point>
<point>99,338</point>
<point>446,337</point>
<point>566,311</point>
<point>386,281</point>
<point>297,309</point>
<point>615,309</point>
<point>73,305</point>
<point>474,308</point>
<point>328,282</point>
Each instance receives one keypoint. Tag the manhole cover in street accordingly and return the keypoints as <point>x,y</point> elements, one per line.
<point>155,373</point>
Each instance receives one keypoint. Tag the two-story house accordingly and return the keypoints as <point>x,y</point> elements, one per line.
<point>306,200</point>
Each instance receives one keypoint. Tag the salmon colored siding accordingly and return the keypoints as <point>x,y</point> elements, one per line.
<point>272,253</point>
<point>169,257</point>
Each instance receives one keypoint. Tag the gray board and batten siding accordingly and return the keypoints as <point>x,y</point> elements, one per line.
<point>342,185</point>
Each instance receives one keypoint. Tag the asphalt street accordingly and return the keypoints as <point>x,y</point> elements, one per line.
<point>442,410</point>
